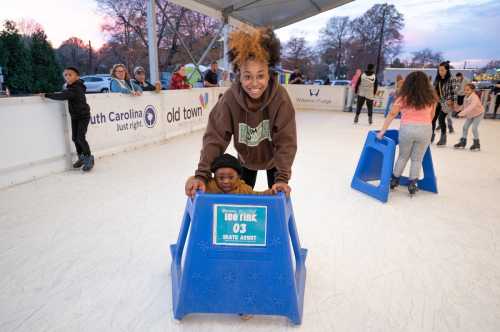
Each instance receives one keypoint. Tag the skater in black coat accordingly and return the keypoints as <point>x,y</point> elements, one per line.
<point>79,111</point>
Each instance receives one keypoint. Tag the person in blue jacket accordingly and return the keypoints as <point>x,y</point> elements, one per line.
<point>121,82</point>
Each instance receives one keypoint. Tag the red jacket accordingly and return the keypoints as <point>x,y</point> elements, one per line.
<point>179,82</point>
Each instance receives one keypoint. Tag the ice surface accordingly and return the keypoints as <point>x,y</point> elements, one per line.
<point>89,252</point>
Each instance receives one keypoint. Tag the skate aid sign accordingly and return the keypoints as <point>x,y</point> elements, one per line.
<point>240,225</point>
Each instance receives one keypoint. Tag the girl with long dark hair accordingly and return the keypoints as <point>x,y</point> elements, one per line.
<point>417,103</point>
<point>445,86</point>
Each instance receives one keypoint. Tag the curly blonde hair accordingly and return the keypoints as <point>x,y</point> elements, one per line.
<point>259,45</point>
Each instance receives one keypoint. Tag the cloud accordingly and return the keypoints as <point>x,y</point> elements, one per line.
<point>461,29</point>
<point>60,19</point>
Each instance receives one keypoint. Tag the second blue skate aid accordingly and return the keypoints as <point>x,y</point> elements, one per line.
<point>238,254</point>
<point>376,165</point>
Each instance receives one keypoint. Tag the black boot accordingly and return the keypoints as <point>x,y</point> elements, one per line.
<point>356,118</point>
<point>88,163</point>
<point>433,137</point>
<point>79,162</point>
<point>450,129</point>
<point>442,140</point>
<point>370,121</point>
<point>394,182</point>
<point>476,146</point>
<point>461,144</point>
<point>412,187</point>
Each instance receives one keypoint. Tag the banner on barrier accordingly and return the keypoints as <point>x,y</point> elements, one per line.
<point>317,97</point>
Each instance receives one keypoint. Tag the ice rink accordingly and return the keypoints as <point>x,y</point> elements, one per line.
<point>90,252</point>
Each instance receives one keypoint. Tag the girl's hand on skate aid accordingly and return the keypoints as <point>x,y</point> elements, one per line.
<point>380,135</point>
<point>281,187</point>
<point>194,184</point>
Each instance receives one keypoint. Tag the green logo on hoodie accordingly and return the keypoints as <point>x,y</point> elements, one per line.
<point>253,136</point>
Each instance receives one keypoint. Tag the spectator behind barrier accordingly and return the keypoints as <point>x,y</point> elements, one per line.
<point>120,81</point>
<point>296,77</point>
<point>179,80</point>
<point>226,79</point>
<point>140,80</point>
<point>211,79</point>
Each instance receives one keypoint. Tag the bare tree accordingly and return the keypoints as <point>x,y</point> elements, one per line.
<point>426,58</point>
<point>334,39</point>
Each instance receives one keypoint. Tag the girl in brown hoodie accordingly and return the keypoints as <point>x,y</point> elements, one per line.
<point>256,112</point>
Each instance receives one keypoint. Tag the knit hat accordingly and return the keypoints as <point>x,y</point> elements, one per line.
<point>226,160</point>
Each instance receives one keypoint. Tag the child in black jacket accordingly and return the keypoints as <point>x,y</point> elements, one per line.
<point>79,111</point>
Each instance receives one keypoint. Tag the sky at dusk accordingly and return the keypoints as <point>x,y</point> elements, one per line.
<point>461,29</point>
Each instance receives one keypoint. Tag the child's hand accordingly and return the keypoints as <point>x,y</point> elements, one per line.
<point>380,135</point>
<point>136,93</point>
<point>192,185</point>
<point>281,187</point>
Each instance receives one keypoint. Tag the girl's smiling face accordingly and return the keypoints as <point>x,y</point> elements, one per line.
<point>468,91</point>
<point>254,78</point>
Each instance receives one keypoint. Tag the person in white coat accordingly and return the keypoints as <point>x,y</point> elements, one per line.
<point>366,88</point>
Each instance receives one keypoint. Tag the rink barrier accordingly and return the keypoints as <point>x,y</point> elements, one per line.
<point>35,139</point>
<point>376,164</point>
<point>238,254</point>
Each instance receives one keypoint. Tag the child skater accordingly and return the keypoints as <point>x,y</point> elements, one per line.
<point>227,172</point>
<point>473,112</point>
<point>79,111</point>
<point>416,102</point>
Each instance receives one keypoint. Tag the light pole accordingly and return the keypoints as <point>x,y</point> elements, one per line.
<point>381,41</point>
<point>152,42</point>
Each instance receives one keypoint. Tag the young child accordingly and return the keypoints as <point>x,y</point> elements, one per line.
<point>416,102</point>
<point>79,111</point>
<point>227,171</point>
<point>473,112</point>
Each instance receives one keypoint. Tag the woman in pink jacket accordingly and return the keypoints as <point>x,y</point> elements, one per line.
<point>473,112</point>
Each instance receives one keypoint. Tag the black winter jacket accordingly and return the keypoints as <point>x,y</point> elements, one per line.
<point>75,95</point>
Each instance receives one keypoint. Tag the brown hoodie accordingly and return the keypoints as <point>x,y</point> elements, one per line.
<point>264,131</point>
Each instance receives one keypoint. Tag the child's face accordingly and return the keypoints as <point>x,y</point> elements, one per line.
<point>140,76</point>
<point>254,78</point>
<point>468,91</point>
<point>70,76</point>
<point>226,179</point>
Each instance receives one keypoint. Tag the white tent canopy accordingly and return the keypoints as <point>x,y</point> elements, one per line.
<point>273,13</point>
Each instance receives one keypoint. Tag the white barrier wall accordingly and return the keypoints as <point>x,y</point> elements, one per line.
<point>317,97</point>
<point>35,139</point>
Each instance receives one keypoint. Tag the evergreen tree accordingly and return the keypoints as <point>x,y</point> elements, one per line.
<point>18,70</point>
<point>46,71</point>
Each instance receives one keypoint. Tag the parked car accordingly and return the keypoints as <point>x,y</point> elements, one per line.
<point>340,82</point>
<point>96,83</point>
